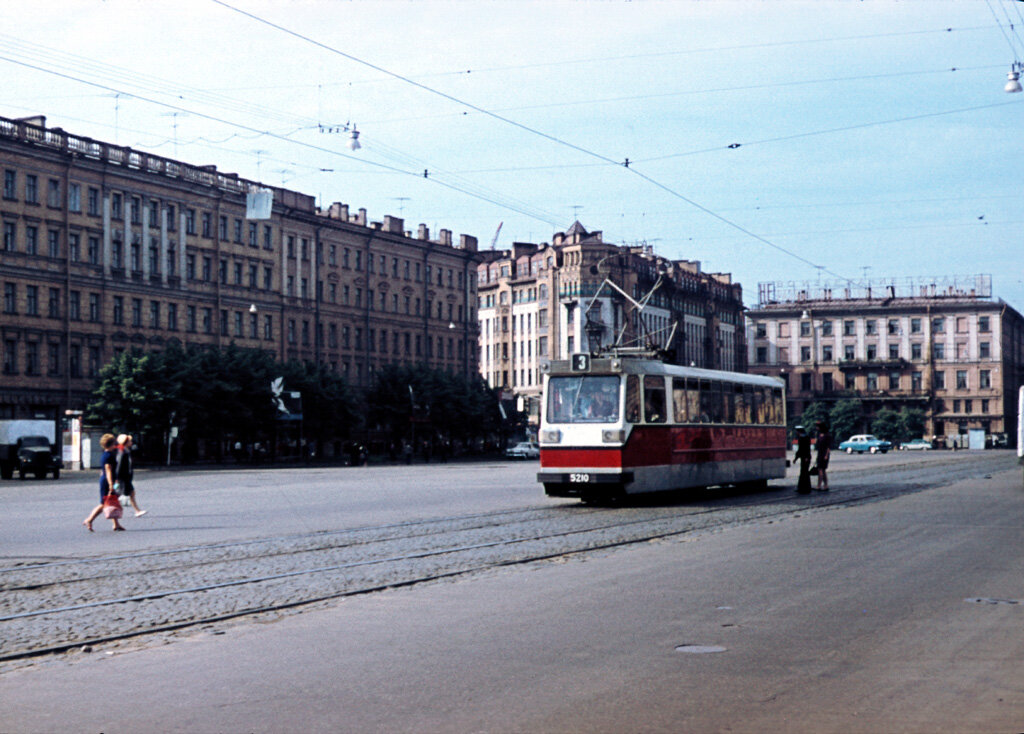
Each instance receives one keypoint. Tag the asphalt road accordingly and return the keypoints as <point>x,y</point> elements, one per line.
<point>899,614</point>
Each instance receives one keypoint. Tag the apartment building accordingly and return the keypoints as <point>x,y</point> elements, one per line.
<point>943,345</point>
<point>107,248</point>
<point>540,302</point>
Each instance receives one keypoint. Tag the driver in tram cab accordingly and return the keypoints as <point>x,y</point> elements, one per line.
<point>602,405</point>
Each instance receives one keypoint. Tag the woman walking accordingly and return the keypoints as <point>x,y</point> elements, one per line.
<point>107,462</point>
<point>124,471</point>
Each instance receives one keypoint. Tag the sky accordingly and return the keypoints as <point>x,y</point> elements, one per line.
<point>789,142</point>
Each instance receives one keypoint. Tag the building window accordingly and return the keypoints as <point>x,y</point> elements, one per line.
<point>268,237</point>
<point>53,368</point>
<point>851,382</point>
<point>10,241</point>
<point>190,221</point>
<point>805,354</point>
<point>268,327</point>
<point>826,382</point>
<point>94,251</point>
<point>938,325</point>
<point>894,351</point>
<point>118,311</point>
<point>983,324</point>
<point>75,306</point>
<point>31,240</point>
<point>207,220</point>
<point>984,350</point>
<point>31,189</point>
<point>10,184</point>
<point>136,312</point>
<point>894,380</point>
<point>872,351</point>
<point>54,303</point>
<point>116,206</point>
<point>10,357</point>
<point>805,381</point>
<point>915,351</point>
<point>75,360</point>
<point>961,379</point>
<point>238,324</point>
<point>75,197</point>
<point>939,351</point>
<point>985,379</point>
<point>849,352</point>
<point>154,314</point>
<point>940,380</point>
<point>53,243</point>
<point>872,383</point>
<point>32,300</point>
<point>916,381</point>
<point>94,201</point>
<point>870,326</point>
<point>94,307</point>
<point>172,316</point>
<point>190,318</point>
<point>223,322</point>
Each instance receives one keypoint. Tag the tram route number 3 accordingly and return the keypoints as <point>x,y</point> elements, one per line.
<point>579,478</point>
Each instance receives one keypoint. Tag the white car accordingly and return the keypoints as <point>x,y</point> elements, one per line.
<point>523,450</point>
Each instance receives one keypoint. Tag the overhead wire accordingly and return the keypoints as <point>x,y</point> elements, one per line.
<point>437,180</point>
<point>501,118</point>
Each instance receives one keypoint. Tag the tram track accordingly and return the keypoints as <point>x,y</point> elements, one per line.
<point>68,605</point>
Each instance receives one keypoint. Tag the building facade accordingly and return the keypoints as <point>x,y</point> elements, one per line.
<point>944,346</point>
<point>107,248</point>
<point>541,302</point>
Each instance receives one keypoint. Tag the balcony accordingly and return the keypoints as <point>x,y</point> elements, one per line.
<point>879,365</point>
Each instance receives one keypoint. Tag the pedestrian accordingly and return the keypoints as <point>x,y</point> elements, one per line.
<point>107,462</point>
<point>823,446</point>
<point>124,471</point>
<point>803,453</point>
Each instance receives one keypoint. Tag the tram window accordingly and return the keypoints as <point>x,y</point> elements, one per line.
<point>759,406</point>
<point>740,395</point>
<point>584,399</point>
<point>778,406</point>
<point>679,400</point>
<point>654,399</point>
<point>728,403</point>
<point>707,411</point>
<point>632,399</point>
<point>693,399</point>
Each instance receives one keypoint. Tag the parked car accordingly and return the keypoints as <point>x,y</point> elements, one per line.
<point>523,450</point>
<point>865,442</point>
<point>917,444</point>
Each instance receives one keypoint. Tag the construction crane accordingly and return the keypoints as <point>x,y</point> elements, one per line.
<point>494,240</point>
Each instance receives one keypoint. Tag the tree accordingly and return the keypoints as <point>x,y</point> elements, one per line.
<point>912,422</point>
<point>887,425</point>
<point>846,416</point>
<point>133,394</point>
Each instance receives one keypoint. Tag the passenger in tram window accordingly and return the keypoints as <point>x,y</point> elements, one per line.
<point>654,399</point>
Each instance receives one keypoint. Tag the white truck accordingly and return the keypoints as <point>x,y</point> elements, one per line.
<point>30,447</point>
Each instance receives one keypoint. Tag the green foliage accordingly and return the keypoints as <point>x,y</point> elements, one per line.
<point>887,425</point>
<point>912,422</point>
<point>442,403</point>
<point>846,416</point>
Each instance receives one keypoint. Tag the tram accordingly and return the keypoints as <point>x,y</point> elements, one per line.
<point>620,425</point>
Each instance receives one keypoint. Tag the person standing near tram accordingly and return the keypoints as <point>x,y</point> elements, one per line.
<point>803,454</point>
<point>823,447</point>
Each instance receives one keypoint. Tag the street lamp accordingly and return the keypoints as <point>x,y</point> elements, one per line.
<point>252,308</point>
<point>1013,78</point>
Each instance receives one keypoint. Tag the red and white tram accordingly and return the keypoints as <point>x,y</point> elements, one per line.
<point>612,426</point>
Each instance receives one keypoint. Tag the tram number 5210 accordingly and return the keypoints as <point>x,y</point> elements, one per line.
<point>579,478</point>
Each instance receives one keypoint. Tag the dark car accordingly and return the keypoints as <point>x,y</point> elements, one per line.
<point>36,456</point>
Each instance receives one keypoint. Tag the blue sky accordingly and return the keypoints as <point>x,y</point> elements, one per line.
<point>868,139</point>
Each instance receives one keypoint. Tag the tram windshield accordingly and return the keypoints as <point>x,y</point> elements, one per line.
<point>583,399</point>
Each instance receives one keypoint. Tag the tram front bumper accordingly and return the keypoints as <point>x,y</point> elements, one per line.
<point>577,483</point>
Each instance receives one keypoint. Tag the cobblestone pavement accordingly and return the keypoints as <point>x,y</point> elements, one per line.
<point>76,603</point>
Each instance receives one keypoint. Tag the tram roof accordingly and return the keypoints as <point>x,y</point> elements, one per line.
<point>639,366</point>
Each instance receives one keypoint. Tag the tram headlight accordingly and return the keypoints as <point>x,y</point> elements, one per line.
<point>618,436</point>
<point>551,436</point>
